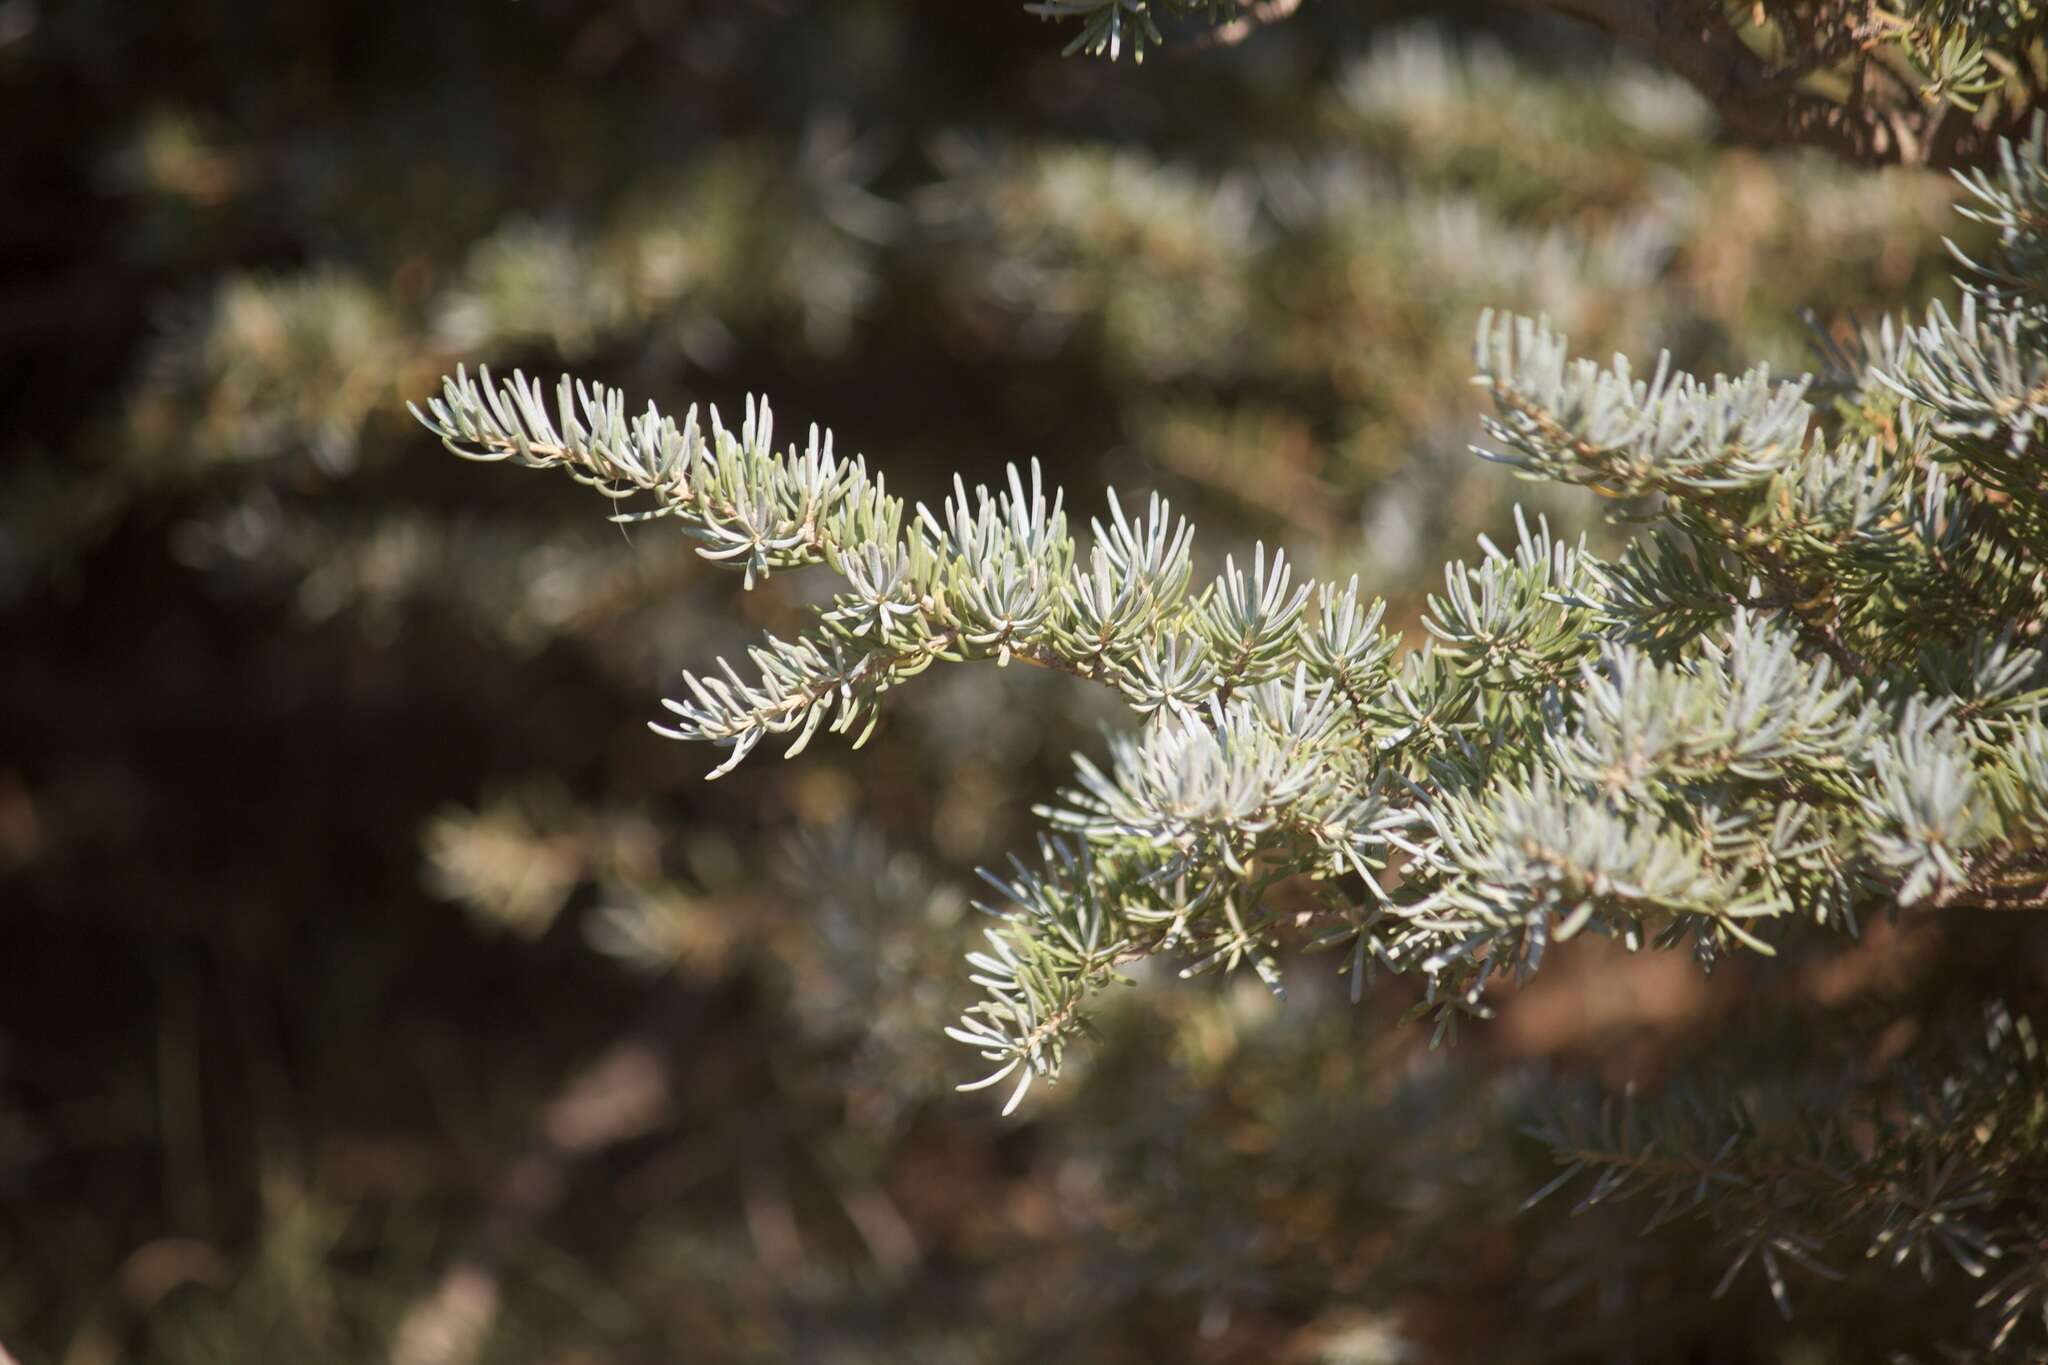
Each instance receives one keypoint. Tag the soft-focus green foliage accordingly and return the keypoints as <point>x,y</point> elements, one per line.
<point>1911,81</point>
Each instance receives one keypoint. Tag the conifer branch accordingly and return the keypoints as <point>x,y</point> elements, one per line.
<point>1772,708</point>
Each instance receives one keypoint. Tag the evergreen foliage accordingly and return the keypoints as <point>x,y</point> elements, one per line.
<point>373,991</point>
<point>1925,81</point>
<point>1807,695</point>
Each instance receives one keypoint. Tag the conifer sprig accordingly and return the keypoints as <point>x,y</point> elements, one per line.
<point>1803,695</point>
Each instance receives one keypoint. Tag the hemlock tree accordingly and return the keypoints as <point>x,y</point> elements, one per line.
<point>1805,699</point>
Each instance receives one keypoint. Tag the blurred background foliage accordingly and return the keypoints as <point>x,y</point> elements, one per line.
<point>374,987</point>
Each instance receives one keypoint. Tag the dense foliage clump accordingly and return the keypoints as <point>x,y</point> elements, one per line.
<point>1807,693</point>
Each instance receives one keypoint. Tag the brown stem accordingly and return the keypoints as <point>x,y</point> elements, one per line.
<point>2004,879</point>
